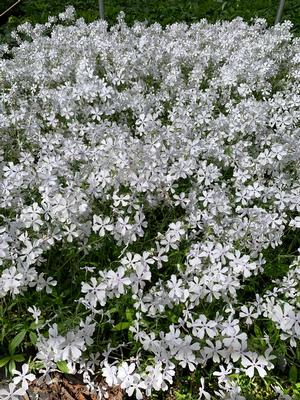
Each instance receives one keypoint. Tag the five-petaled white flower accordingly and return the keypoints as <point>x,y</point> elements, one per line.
<point>23,377</point>
<point>12,393</point>
<point>251,361</point>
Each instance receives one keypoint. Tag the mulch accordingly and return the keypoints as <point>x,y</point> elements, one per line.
<point>67,387</point>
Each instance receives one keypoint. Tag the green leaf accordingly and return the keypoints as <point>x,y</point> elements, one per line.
<point>224,5</point>
<point>18,357</point>
<point>4,361</point>
<point>293,373</point>
<point>121,326</point>
<point>62,366</point>
<point>257,331</point>
<point>35,325</point>
<point>296,389</point>
<point>33,338</point>
<point>17,340</point>
<point>11,366</point>
<point>129,314</point>
<point>298,352</point>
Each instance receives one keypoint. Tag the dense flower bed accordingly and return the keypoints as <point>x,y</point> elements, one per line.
<point>167,162</point>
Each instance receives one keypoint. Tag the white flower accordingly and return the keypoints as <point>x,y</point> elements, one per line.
<point>185,353</point>
<point>122,200</point>
<point>31,217</point>
<point>11,280</point>
<point>169,241</point>
<point>295,222</point>
<point>176,289</point>
<point>160,258</point>
<point>141,274</point>
<point>23,377</point>
<point>202,392</point>
<point>43,283</point>
<point>71,232</point>
<point>149,139</point>
<point>251,361</point>
<point>12,393</point>
<point>110,374</point>
<point>94,292</point>
<point>213,350</point>
<point>117,281</point>
<point>240,264</point>
<point>249,314</point>
<point>176,230</point>
<point>69,14</point>
<point>136,387</point>
<point>101,225</point>
<point>36,312</point>
<point>72,347</point>
<point>123,225</point>
<point>223,373</point>
<point>202,326</point>
<point>155,376</point>
<point>125,374</point>
<point>235,343</point>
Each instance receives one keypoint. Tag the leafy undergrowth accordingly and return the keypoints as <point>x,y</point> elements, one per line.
<point>149,208</point>
<point>162,11</point>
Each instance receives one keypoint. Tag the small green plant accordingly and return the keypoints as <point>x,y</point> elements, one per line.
<point>9,361</point>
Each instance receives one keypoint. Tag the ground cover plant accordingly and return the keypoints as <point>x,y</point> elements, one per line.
<point>149,207</point>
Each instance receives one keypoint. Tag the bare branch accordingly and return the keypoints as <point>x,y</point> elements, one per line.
<point>6,11</point>
<point>279,11</point>
<point>101,9</point>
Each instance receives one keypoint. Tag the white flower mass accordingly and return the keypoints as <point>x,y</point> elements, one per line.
<point>100,127</point>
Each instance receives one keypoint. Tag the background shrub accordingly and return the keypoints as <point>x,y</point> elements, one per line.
<point>162,11</point>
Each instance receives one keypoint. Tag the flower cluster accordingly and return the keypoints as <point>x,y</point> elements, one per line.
<point>102,129</point>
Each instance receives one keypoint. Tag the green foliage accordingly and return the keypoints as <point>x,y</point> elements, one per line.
<point>62,366</point>
<point>162,11</point>
<point>9,361</point>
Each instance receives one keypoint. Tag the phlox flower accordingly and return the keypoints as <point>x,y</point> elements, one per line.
<point>23,377</point>
<point>136,387</point>
<point>203,394</point>
<point>43,283</point>
<point>95,291</point>
<point>125,374</point>
<point>295,222</point>
<point>177,291</point>
<point>11,281</point>
<point>72,347</point>
<point>213,350</point>
<point>251,362</point>
<point>170,170</point>
<point>249,314</point>
<point>110,374</point>
<point>101,225</point>
<point>12,393</point>
<point>36,312</point>
<point>202,326</point>
<point>117,281</point>
<point>223,372</point>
